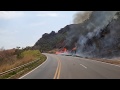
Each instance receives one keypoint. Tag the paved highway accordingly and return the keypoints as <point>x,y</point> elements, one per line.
<point>68,67</point>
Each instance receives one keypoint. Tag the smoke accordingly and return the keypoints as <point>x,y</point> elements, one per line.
<point>81,16</point>
<point>95,34</point>
<point>96,21</point>
<point>97,30</point>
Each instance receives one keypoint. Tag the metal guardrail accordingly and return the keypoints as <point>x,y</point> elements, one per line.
<point>11,70</point>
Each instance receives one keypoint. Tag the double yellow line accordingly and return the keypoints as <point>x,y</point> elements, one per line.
<point>57,73</point>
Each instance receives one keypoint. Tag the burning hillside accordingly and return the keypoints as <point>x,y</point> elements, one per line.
<point>97,35</point>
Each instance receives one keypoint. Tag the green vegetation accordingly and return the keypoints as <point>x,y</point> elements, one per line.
<point>13,58</point>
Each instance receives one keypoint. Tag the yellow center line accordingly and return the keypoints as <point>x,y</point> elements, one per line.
<point>55,76</point>
<point>57,73</point>
<point>59,70</point>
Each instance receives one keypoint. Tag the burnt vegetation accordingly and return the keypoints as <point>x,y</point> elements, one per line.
<point>97,36</point>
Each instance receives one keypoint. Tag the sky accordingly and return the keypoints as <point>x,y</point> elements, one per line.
<point>24,28</point>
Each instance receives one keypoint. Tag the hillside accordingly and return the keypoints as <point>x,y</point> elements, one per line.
<point>52,40</point>
<point>98,36</point>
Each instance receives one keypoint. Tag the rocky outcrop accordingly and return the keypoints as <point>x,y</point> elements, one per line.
<point>52,40</point>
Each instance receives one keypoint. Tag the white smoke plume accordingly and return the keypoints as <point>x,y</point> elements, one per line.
<point>81,16</point>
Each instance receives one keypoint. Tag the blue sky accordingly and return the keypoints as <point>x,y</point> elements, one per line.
<point>24,28</point>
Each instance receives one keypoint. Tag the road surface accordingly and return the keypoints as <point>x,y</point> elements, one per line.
<point>68,67</point>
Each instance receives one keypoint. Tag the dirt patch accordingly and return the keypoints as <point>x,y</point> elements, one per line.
<point>111,61</point>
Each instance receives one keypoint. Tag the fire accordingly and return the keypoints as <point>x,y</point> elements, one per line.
<point>74,48</point>
<point>63,50</point>
<point>57,52</point>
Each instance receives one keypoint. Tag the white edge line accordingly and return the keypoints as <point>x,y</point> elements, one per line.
<point>83,66</point>
<point>102,62</point>
<point>33,69</point>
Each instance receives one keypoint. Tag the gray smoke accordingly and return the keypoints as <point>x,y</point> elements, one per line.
<point>95,36</point>
<point>81,16</point>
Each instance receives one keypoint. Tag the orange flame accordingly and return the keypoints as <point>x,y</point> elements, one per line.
<point>74,48</point>
<point>64,49</point>
<point>61,51</point>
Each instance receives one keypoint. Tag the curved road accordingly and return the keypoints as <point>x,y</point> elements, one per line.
<point>68,67</point>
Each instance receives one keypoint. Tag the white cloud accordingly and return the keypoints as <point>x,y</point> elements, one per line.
<point>10,14</point>
<point>48,14</point>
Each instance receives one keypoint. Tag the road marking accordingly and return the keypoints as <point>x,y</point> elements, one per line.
<point>59,70</point>
<point>55,76</point>
<point>57,73</point>
<point>83,65</point>
<point>33,69</point>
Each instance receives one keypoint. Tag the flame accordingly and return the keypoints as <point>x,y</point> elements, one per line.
<point>63,50</point>
<point>57,52</point>
<point>74,48</point>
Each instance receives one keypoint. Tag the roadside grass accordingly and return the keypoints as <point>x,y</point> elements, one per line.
<point>116,62</point>
<point>27,56</point>
<point>21,71</point>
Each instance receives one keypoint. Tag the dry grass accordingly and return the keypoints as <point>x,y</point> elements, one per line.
<point>112,61</point>
<point>10,60</point>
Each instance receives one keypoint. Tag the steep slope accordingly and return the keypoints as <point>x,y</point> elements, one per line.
<point>98,36</point>
<point>52,41</point>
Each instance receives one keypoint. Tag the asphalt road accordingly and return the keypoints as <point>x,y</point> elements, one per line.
<point>68,67</point>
